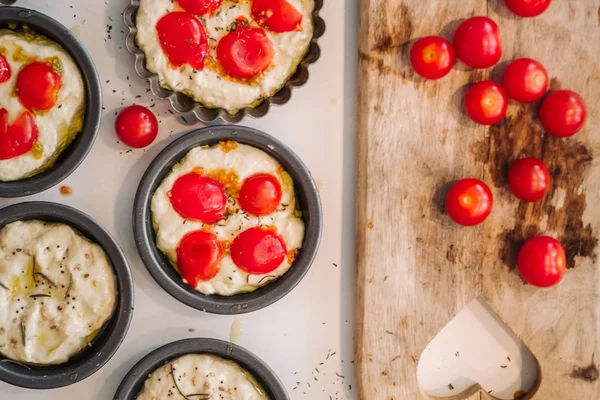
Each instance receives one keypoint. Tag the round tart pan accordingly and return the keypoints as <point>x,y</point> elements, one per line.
<point>185,105</point>
<point>134,380</point>
<point>76,152</point>
<point>110,338</point>
<point>157,263</point>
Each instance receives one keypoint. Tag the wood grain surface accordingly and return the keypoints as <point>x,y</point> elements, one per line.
<point>416,268</point>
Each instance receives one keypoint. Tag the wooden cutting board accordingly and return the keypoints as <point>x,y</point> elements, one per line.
<point>417,269</point>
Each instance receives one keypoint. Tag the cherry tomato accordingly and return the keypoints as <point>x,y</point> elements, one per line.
<point>246,52</point>
<point>37,86</point>
<point>477,42</point>
<point>563,113</point>
<point>469,202</point>
<point>432,57</point>
<point>260,194</point>
<point>136,126</point>
<point>183,39</point>
<point>276,15</point>
<point>200,7</point>
<point>529,179</point>
<point>525,80</point>
<point>4,69</point>
<point>18,138</point>
<point>198,256</point>
<point>542,261</point>
<point>258,250</point>
<point>486,103</point>
<point>527,8</point>
<point>199,197</point>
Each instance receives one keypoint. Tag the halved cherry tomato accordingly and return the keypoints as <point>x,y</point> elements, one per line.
<point>198,197</point>
<point>432,57</point>
<point>183,39</point>
<point>4,69</point>
<point>542,261</point>
<point>525,80</point>
<point>276,15</point>
<point>563,113</point>
<point>136,126</point>
<point>529,179</point>
<point>200,7</point>
<point>477,42</point>
<point>18,138</point>
<point>198,256</point>
<point>258,250</point>
<point>260,194</point>
<point>37,86</point>
<point>246,52</point>
<point>527,8</point>
<point>469,202</point>
<point>486,103</point>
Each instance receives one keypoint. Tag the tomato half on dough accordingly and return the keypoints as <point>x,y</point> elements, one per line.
<point>4,69</point>
<point>136,126</point>
<point>527,8</point>
<point>563,113</point>
<point>246,52</point>
<point>529,179</point>
<point>258,250</point>
<point>276,15</point>
<point>200,7</point>
<point>486,103</point>
<point>198,256</point>
<point>199,198</point>
<point>260,194</point>
<point>17,138</point>
<point>37,86</point>
<point>432,57</point>
<point>477,42</point>
<point>542,261</point>
<point>525,80</point>
<point>183,39</point>
<point>469,202</point>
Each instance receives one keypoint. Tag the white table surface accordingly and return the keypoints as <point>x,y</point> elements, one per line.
<point>311,328</point>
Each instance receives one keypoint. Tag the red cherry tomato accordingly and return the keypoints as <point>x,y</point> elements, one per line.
<point>432,57</point>
<point>37,86</point>
<point>4,69</point>
<point>525,80</point>
<point>527,8</point>
<point>542,261</point>
<point>260,194</point>
<point>183,39</point>
<point>246,52</point>
<point>18,138</point>
<point>258,250</point>
<point>469,202</point>
<point>477,42</point>
<point>529,179</point>
<point>200,7</point>
<point>136,126</point>
<point>276,15</point>
<point>198,257</point>
<point>486,103</point>
<point>198,197</point>
<point>563,113</point>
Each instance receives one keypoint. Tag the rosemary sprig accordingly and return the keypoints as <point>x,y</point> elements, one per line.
<point>23,333</point>
<point>70,284</point>
<point>201,396</point>
<point>45,278</point>
<point>3,286</point>
<point>266,277</point>
<point>33,296</point>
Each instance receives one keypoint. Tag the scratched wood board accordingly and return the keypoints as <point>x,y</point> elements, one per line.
<point>416,268</point>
